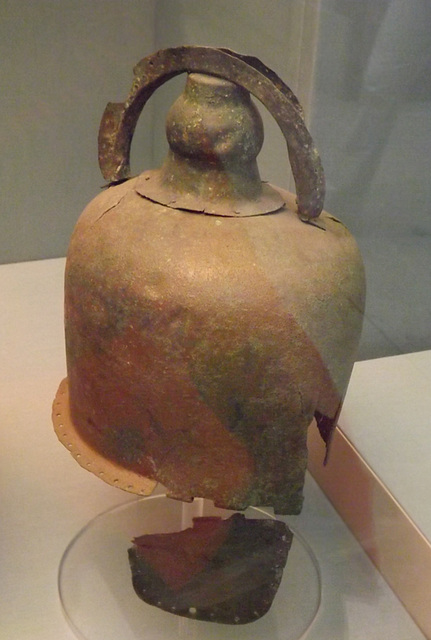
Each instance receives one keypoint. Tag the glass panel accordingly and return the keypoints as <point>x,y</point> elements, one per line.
<point>371,120</point>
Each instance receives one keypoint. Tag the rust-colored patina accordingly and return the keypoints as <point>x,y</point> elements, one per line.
<point>208,318</point>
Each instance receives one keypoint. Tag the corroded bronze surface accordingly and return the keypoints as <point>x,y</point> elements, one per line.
<point>194,359</point>
<point>199,347</point>
<point>225,571</point>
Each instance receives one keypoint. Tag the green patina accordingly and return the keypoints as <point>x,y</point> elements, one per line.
<point>124,445</point>
<point>236,381</point>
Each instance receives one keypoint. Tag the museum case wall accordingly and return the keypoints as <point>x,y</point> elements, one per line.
<point>372,112</point>
<point>59,67</point>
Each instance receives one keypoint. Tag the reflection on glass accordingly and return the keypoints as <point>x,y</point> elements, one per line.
<point>371,121</point>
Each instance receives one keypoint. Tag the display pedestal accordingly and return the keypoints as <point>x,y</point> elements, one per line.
<point>99,601</point>
<point>378,476</point>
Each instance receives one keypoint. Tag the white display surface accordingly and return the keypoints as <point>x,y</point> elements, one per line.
<point>387,418</point>
<point>47,498</point>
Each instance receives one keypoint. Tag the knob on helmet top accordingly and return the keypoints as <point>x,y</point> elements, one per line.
<point>215,133</point>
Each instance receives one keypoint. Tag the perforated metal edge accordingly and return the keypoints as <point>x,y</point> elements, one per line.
<point>86,456</point>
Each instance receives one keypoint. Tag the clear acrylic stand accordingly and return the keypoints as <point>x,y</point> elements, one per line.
<point>100,603</point>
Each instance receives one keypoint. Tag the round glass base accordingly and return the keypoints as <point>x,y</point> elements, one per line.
<point>99,601</point>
